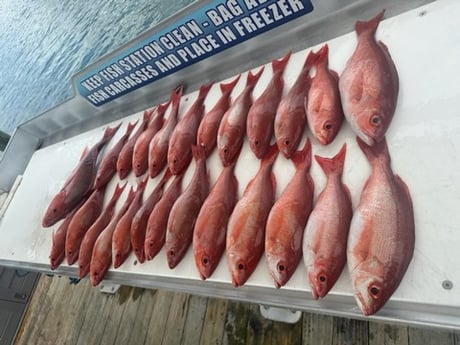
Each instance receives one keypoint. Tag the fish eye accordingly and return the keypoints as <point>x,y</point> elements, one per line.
<point>322,278</point>
<point>281,268</point>
<point>287,142</point>
<point>240,266</point>
<point>205,261</point>
<point>374,291</point>
<point>375,120</point>
<point>172,253</point>
<point>256,142</point>
<point>55,210</point>
<point>328,125</point>
<point>225,150</point>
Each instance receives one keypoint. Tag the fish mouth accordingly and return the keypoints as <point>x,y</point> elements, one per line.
<point>368,139</point>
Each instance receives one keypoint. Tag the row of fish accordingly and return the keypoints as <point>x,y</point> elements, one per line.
<point>377,240</point>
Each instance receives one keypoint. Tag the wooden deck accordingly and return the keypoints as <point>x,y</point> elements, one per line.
<point>60,313</point>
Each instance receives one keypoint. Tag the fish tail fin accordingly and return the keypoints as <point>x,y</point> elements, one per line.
<point>147,114</point>
<point>199,152</point>
<point>176,94</point>
<point>165,177</point>
<point>302,158</point>
<point>270,156</point>
<point>370,25</point>
<point>204,89</point>
<point>379,151</point>
<point>310,60</point>
<point>227,88</point>
<point>84,152</point>
<point>142,183</point>
<point>279,65</point>
<point>162,107</point>
<point>118,190</point>
<point>322,56</point>
<point>131,127</point>
<point>131,195</point>
<point>254,78</point>
<point>333,165</point>
<point>110,132</point>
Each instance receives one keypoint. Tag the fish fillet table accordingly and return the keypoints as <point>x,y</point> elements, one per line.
<point>424,144</point>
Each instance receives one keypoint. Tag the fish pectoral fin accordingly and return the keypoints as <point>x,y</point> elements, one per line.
<point>356,90</point>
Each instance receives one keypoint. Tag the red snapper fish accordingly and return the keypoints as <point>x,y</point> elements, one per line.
<point>211,224</point>
<point>78,184</point>
<point>246,226</point>
<point>139,223</point>
<point>158,221</point>
<point>325,238</point>
<point>158,149</point>
<point>125,158</point>
<point>87,244</point>
<point>207,132</point>
<point>287,219</point>
<point>232,128</point>
<point>101,257</point>
<point>141,147</point>
<point>369,85</point>
<point>261,116</point>
<point>290,119</point>
<point>181,221</point>
<point>323,106</point>
<point>382,232</point>
<point>184,135</point>
<point>108,167</point>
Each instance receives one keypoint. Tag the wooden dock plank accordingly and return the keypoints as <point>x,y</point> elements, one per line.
<point>430,336</point>
<point>236,323</point>
<point>143,315</point>
<point>159,317</point>
<point>286,333</point>
<point>176,319</point>
<point>317,329</point>
<point>214,321</point>
<point>386,334</point>
<point>349,332</point>
<point>194,323</point>
<point>259,329</point>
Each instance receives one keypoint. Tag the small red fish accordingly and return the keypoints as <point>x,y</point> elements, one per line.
<point>158,221</point>
<point>211,224</point>
<point>246,226</point>
<point>125,158</point>
<point>108,167</point>
<point>158,149</point>
<point>78,184</point>
<point>325,238</point>
<point>382,232</point>
<point>141,147</point>
<point>207,132</point>
<point>181,221</point>
<point>287,219</point>
<point>184,135</point>
<point>369,85</point>
<point>139,223</point>
<point>261,116</point>
<point>101,257</point>
<point>323,106</point>
<point>290,119</point>
<point>232,128</point>
<point>87,244</point>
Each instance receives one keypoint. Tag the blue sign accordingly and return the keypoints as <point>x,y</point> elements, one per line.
<point>212,28</point>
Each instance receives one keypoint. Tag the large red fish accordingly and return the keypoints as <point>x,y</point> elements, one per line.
<point>139,223</point>
<point>232,128</point>
<point>369,85</point>
<point>101,257</point>
<point>323,106</point>
<point>158,221</point>
<point>290,119</point>
<point>158,149</point>
<point>261,116</point>
<point>246,226</point>
<point>87,244</point>
<point>81,221</point>
<point>141,147</point>
<point>181,221</point>
<point>78,184</point>
<point>211,224</point>
<point>125,158</point>
<point>121,241</point>
<point>287,219</point>
<point>207,132</point>
<point>382,232</point>
<point>325,238</point>
<point>184,135</point>
<point>108,167</point>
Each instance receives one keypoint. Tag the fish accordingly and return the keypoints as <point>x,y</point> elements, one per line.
<point>323,105</point>
<point>158,148</point>
<point>139,223</point>
<point>382,232</point>
<point>101,257</point>
<point>232,128</point>
<point>246,226</point>
<point>326,233</point>
<point>287,219</point>
<point>182,218</point>
<point>141,147</point>
<point>261,116</point>
<point>78,184</point>
<point>125,158</point>
<point>184,135</point>
<point>108,167</point>
<point>291,117</point>
<point>207,132</point>
<point>121,241</point>
<point>81,221</point>
<point>157,223</point>
<point>369,85</point>
<point>210,229</point>
<point>87,244</point>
